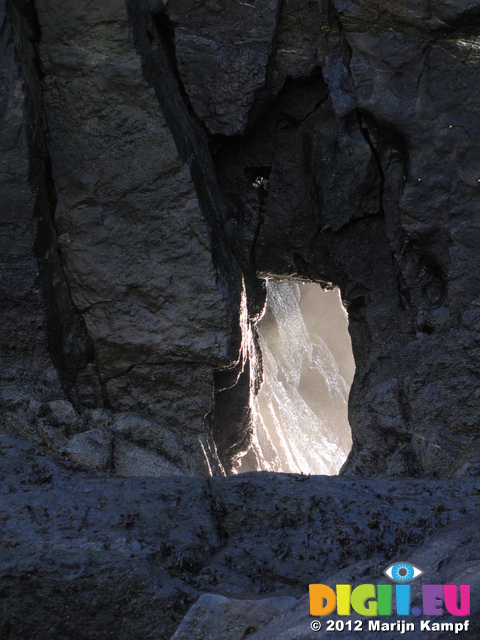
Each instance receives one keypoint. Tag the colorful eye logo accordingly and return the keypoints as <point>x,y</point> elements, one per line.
<point>402,572</point>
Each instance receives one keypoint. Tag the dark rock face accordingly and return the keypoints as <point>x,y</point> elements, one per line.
<point>196,148</point>
<point>159,160</point>
<point>135,244</point>
<point>224,53</point>
<point>44,346</point>
<point>126,557</point>
<point>24,335</point>
<point>408,71</point>
<point>372,186</point>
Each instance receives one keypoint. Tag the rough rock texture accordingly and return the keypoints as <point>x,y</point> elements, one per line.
<point>27,373</point>
<point>407,72</point>
<point>214,616</point>
<point>458,541</point>
<point>135,247</point>
<point>449,556</point>
<point>372,185</point>
<point>218,40</point>
<point>167,156</point>
<point>159,159</point>
<point>135,244</point>
<point>88,555</point>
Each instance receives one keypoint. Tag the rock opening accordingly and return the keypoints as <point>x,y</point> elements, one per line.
<point>300,414</point>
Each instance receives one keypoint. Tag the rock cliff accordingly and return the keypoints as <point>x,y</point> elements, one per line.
<point>159,160</point>
<point>163,159</point>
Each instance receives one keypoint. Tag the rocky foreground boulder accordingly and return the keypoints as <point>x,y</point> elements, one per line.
<point>92,556</point>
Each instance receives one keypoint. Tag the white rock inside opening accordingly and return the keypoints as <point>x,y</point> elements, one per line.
<point>301,415</point>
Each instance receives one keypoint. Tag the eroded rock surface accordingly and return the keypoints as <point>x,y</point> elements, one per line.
<point>87,554</point>
<point>159,161</point>
<point>224,53</point>
<point>135,244</point>
<point>214,616</point>
<point>174,154</point>
<point>28,372</point>
<point>447,558</point>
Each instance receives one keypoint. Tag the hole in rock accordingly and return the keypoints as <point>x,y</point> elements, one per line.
<point>301,411</point>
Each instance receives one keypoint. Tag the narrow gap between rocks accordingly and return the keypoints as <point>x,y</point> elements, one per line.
<point>301,412</point>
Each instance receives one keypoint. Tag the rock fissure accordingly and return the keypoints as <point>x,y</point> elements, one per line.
<point>160,68</point>
<point>365,133</point>
<point>164,31</point>
<point>68,344</point>
<point>260,105</point>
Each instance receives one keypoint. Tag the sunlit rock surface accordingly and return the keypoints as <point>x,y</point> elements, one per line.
<point>301,422</point>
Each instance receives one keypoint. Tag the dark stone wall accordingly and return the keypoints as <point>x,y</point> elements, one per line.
<point>158,160</point>
<point>163,158</point>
